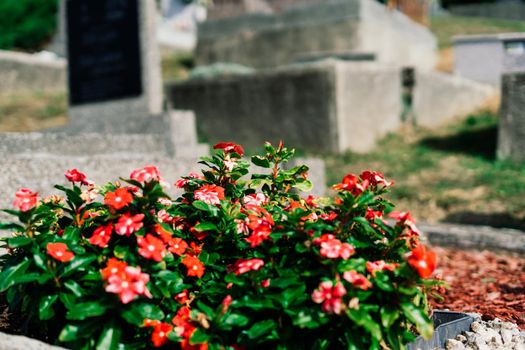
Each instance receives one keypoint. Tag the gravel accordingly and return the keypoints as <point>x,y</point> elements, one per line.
<point>489,335</point>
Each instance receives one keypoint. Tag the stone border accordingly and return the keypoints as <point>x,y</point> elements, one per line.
<point>475,237</point>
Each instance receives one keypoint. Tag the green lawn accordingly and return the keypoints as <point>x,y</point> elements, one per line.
<point>446,27</point>
<point>446,174</point>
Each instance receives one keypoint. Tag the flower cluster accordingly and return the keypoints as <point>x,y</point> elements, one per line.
<point>234,262</point>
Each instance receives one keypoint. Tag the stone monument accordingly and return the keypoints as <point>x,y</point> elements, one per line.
<point>114,71</point>
<point>511,130</point>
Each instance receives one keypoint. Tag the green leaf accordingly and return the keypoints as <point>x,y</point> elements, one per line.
<point>237,320</point>
<point>68,300</point>
<point>205,226</point>
<point>75,331</point>
<point>205,308</point>
<point>304,186</point>
<point>9,274</point>
<point>28,278</point>
<point>19,241</point>
<point>255,303</point>
<point>71,233</point>
<point>74,287</point>
<point>9,226</point>
<point>419,318</point>
<point>293,296</point>
<point>260,161</point>
<point>309,318</point>
<point>363,318</point>
<point>40,261</point>
<point>45,308</point>
<point>201,205</point>
<point>76,264</point>
<point>85,310</point>
<point>69,333</point>
<point>261,328</point>
<point>137,312</point>
<point>109,338</point>
<point>388,316</point>
<point>199,337</point>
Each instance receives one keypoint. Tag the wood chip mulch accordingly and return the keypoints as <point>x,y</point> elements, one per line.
<point>490,284</point>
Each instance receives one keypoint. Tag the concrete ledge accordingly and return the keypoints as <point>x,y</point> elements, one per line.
<point>475,237</point>
<point>17,342</point>
<point>24,72</point>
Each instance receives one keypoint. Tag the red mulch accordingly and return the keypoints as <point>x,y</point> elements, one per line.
<point>483,282</point>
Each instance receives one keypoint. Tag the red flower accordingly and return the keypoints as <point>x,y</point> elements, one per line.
<point>260,224</point>
<point>357,279</point>
<point>25,199</point>
<point>182,297</point>
<point>74,175</point>
<point>118,199</point>
<point>265,283</point>
<point>230,147</point>
<point>128,224</point>
<point>210,194</point>
<point>330,296</point>
<point>352,184</point>
<point>151,247</point>
<point>146,174</point>
<point>380,265</point>
<point>195,249</point>
<point>177,246</point>
<point>114,267</point>
<point>375,178</point>
<point>242,265</point>
<point>59,251</point>
<point>182,319</point>
<point>102,235</point>
<point>194,266</point>
<point>422,260</point>
<point>129,284</point>
<point>329,217</point>
<point>159,336</point>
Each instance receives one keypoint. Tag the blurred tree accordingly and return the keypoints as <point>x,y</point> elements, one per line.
<point>27,24</point>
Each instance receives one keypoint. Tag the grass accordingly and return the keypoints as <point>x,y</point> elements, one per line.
<point>445,27</point>
<point>29,111</point>
<point>448,174</point>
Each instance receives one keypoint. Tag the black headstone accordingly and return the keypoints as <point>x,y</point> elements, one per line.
<point>103,50</point>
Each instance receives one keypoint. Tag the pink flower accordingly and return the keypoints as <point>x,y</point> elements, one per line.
<point>226,302</point>
<point>229,164</point>
<point>330,296</point>
<point>242,266</point>
<point>129,285</point>
<point>380,265</point>
<point>257,199</point>
<point>358,280</point>
<point>146,174</point>
<point>210,194</point>
<point>25,199</point>
<point>128,224</point>
<point>332,248</point>
<point>102,235</point>
<point>74,175</point>
<point>405,219</point>
<point>151,247</point>
<point>165,217</point>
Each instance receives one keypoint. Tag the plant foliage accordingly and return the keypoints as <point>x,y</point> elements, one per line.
<point>236,261</point>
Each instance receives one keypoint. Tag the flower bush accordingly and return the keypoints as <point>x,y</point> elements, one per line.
<point>234,262</point>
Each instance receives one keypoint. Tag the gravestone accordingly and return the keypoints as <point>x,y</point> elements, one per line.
<point>511,129</point>
<point>485,58</point>
<point>114,66</point>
